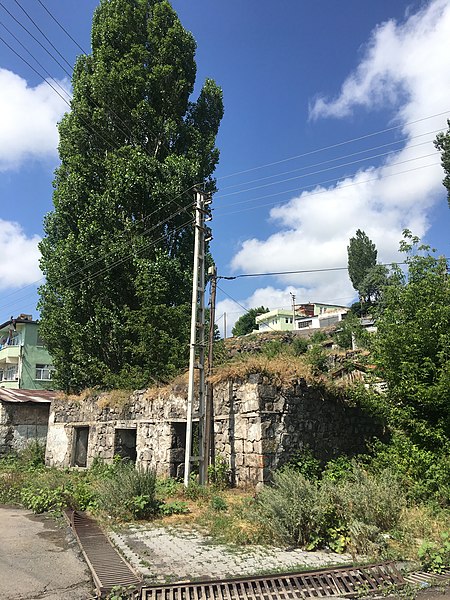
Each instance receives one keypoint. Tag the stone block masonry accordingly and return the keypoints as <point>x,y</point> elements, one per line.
<point>257,428</point>
<point>21,424</point>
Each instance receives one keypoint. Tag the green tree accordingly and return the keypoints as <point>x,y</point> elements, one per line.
<point>442,143</point>
<point>373,283</point>
<point>412,346</point>
<point>117,251</point>
<point>246,323</point>
<point>362,256</point>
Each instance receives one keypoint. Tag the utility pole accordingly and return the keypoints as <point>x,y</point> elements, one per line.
<point>224,325</point>
<point>208,438</point>
<point>293,310</point>
<point>197,343</point>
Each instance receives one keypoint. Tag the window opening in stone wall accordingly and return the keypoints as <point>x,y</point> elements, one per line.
<point>125,444</point>
<point>81,437</point>
<point>178,445</point>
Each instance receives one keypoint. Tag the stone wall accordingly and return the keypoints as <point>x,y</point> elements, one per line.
<point>22,423</point>
<point>257,428</point>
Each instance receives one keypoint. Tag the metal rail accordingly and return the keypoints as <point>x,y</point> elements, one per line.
<point>343,582</point>
<point>109,570</point>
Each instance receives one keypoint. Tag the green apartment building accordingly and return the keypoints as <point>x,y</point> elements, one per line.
<point>24,361</point>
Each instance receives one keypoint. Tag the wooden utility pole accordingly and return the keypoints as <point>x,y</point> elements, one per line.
<point>197,343</point>
<point>208,437</point>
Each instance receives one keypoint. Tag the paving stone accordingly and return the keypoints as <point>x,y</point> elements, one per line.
<point>173,554</point>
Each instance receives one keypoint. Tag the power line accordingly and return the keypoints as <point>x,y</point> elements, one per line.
<point>339,166</point>
<point>325,162</point>
<point>35,39</point>
<point>69,97</point>
<point>299,272</point>
<point>91,263</point>
<point>296,190</point>
<point>42,33</point>
<point>62,27</point>
<point>331,146</point>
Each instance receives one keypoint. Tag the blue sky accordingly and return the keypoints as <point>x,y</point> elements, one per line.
<point>330,112</point>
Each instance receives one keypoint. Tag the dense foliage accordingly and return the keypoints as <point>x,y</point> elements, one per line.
<point>362,256</point>
<point>117,251</point>
<point>443,144</point>
<point>246,323</point>
<point>412,347</point>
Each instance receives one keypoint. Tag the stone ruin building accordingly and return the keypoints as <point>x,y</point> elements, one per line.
<point>257,427</point>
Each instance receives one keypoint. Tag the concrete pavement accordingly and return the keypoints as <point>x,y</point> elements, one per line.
<point>40,560</point>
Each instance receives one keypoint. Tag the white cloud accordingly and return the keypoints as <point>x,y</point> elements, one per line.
<point>406,69</point>
<point>20,256</point>
<point>29,118</point>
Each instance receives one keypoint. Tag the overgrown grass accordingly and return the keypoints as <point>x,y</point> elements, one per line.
<point>343,506</point>
<point>281,370</point>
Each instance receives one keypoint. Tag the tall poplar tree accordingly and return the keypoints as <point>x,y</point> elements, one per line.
<point>118,246</point>
<point>362,257</point>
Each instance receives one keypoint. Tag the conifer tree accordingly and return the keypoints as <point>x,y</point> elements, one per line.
<point>117,251</point>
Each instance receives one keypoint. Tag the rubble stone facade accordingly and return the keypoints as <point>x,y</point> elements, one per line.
<point>257,427</point>
<point>21,424</point>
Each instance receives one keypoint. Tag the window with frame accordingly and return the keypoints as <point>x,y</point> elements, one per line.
<point>44,372</point>
<point>303,324</point>
<point>11,372</point>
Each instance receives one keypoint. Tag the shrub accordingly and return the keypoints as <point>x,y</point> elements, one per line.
<point>425,473</point>
<point>273,348</point>
<point>167,487</point>
<point>318,359</point>
<point>299,346</point>
<point>219,473</point>
<point>218,504</point>
<point>376,500</point>
<point>352,512</point>
<point>129,494</point>
<point>338,469</point>
<point>177,507</point>
<point>435,556</point>
<point>293,509</point>
<point>41,500</point>
<point>304,462</point>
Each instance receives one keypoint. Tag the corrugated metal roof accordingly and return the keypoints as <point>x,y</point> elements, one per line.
<point>38,396</point>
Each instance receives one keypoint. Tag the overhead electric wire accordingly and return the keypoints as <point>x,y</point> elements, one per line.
<point>100,258</point>
<point>296,190</point>
<point>122,99</point>
<point>336,145</point>
<point>50,76</point>
<point>42,33</point>
<point>113,264</point>
<point>112,144</point>
<point>331,160</point>
<point>62,27</point>
<point>35,39</point>
<point>69,74</point>
<point>339,166</point>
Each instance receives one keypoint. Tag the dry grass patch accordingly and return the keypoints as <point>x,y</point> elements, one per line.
<point>83,395</point>
<point>417,524</point>
<point>281,371</point>
<point>114,398</point>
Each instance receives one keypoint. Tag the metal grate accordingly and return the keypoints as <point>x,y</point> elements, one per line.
<point>108,568</point>
<point>345,582</point>
<point>422,577</point>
